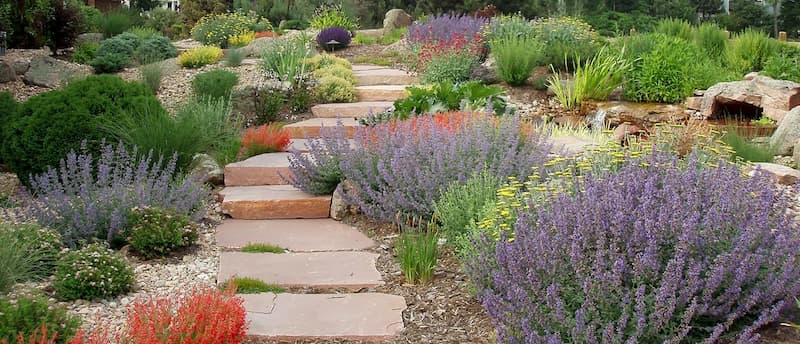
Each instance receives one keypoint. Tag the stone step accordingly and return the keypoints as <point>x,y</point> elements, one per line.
<point>371,317</point>
<point>384,76</point>
<point>350,110</point>
<point>350,270</point>
<point>267,202</point>
<point>311,127</point>
<point>263,169</point>
<point>375,93</point>
<point>363,67</point>
<point>311,235</point>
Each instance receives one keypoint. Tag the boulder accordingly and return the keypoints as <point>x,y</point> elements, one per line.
<point>7,72</point>
<point>255,47</point>
<point>89,37</point>
<point>625,130</point>
<point>787,133</point>
<point>396,47</point>
<point>694,103</point>
<point>774,97</point>
<point>21,66</point>
<point>484,74</point>
<point>642,115</point>
<point>396,19</point>
<point>780,174</point>
<point>46,71</point>
<point>207,169</point>
<point>339,207</point>
<point>796,154</point>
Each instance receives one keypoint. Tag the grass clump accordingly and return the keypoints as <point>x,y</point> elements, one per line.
<point>262,248</point>
<point>215,84</point>
<point>596,79</point>
<point>750,50</point>
<point>151,75</point>
<point>747,150</point>
<point>516,57</point>
<point>393,36</point>
<point>28,253</point>
<point>676,28</point>
<point>417,254</point>
<point>234,57</point>
<point>247,285</point>
<point>361,38</point>
<point>713,40</point>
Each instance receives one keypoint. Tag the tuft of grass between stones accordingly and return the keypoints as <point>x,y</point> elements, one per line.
<point>262,248</point>
<point>247,285</point>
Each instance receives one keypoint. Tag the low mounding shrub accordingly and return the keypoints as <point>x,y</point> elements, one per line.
<point>157,232</point>
<point>663,250</point>
<point>515,58</point>
<point>567,41</point>
<point>338,71</point>
<point>115,53</point>
<point>155,49</point>
<point>90,198</point>
<point>333,38</point>
<point>750,49</point>
<point>216,29</point>
<point>241,39</point>
<point>266,138</point>
<point>461,203</point>
<point>320,61</point>
<point>84,53</point>
<point>92,272</point>
<point>234,57</point>
<point>203,315</point>
<point>46,127</point>
<point>214,85</point>
<point>200,56</point>
<point>28,314</point>
<point>332,14</point>
<point>402,167</point>
<point>448,61</point>
<point>333,89</point>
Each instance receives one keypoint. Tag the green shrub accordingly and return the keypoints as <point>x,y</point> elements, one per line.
<point>596,79</point>
<point>636,46</point>
<point>676,28</point>
<point>93,272</point>
<point>84,53</point>
<point>664,74</point>
<point>417,253</point>
<point>706,73</point>
<point>92,19</point>
<point>47,126</point>
<point>713,40</point>
<point>155,49</point>
<point>333,89</point>
<point>285,59</point>
<point>214,84</point>
<point>361,38</point>
<point>325,60</point>
<point>453,67</point>
<point>747,150</point>
<point>163,20</point>
<point>115,53</point>
<point>144,33</point>
<point>783,66</point>
<point>332,15</point>
<point>337,71</point>
<point>247,285</point>
<point>515,58</point>
<point>461,204</point>
<point>393,36</point>
<point>750,49</point>
<point>617,24</point>
<point>200,56</point>
<point>10,107</point>
<point>157,232</point>
<point>566,37</point>
<point>233,57</point>
<point>151,76</point>
<point>42,246</point>
<point>117,22</point>
<point>215,29</point>
<point>505,27</point>
<point>27,314</point>
<point>295,24</point>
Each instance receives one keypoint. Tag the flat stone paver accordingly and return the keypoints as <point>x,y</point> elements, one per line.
<point>311,128</point>
<point>308,235</point>
<point>386,76</point>
<point>300,144</point>
<point>363,67</point>
<point>263,169</point>
<point>265,202</point>
<point>349,110</point>
<point>362,316</point>
<point>376,93</point>
<point>345,269</point>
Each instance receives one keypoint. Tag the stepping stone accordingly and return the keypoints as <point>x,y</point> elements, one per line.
<point>363,67</point>
<point>350,110</point>
<point>346,269</point>
<point>312,235</point>
<point>311,127</point>
<point>264,169</point>
<point>375,93</point>
<point>266,202</point>
<point>296,317</point>
<point>300,144</point>
<point>384,76</point>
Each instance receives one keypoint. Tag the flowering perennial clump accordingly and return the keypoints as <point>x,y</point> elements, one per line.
<point>661,250</point>
<point>92,272</point>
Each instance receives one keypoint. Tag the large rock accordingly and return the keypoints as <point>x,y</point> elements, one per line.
<point>774,97</point>
<point>21,66</point>
<point>339,205</point>
<point>778,173</point>
<point>46,71</point>
<point>787,133</point>
<point>642,115</point>
<point>398,47</point>
<point>7,72</point>
<point>95,37</point>
<point>207,169</point>
<point>256,47</point>
<point>396,19</point>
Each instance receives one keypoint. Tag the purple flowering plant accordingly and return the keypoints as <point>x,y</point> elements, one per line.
<point>663,250</point>
<point>445,27</point>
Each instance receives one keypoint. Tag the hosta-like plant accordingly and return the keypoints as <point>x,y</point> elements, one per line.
<point>661,251</point>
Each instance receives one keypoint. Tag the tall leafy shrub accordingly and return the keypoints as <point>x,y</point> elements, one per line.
<point>750,49</point>
<point>216,29</point>
<point>331,14</point>
<point>663,74</point>
<point>676,28</point>
<point>713,40</point>
<point>89,197</point>
<point>661,251</point>
<point>567,40</point>
<point>515,57</point>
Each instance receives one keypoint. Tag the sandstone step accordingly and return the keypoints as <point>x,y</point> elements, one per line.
<point>311,127</point>
<point>263,169</point>
<point>266,202</point>
<point>345,269</point>
<point>374,93</point>
<point>385,76</point>
<point>300,144</point>
<point>312,235</point>
<point>350,110</point>
<point>363,67</point>
<point>297,317</point>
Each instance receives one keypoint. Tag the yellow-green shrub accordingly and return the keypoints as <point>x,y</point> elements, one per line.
<point>322,60</point>
<point>333,89</point>
<point>200,56</point>
<point>241,39</point>
<point>337,71</point>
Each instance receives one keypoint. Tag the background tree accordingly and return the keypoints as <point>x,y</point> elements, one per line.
<point>193,10</point>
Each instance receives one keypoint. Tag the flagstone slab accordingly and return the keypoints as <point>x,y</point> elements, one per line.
<point>290,317</point>
<point>311,128</point>
<point>381,93</point>
<point>263,169</point>
<point>308,235</point>
<point>346,269</point>
<point>266,202</point>
<point>350,110</point>
<point>385,76</point>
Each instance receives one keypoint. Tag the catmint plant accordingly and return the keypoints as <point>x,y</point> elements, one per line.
<point>90,198</point>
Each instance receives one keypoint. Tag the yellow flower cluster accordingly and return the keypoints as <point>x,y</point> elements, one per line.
<point>241,39</point>
<point>200,56</point>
